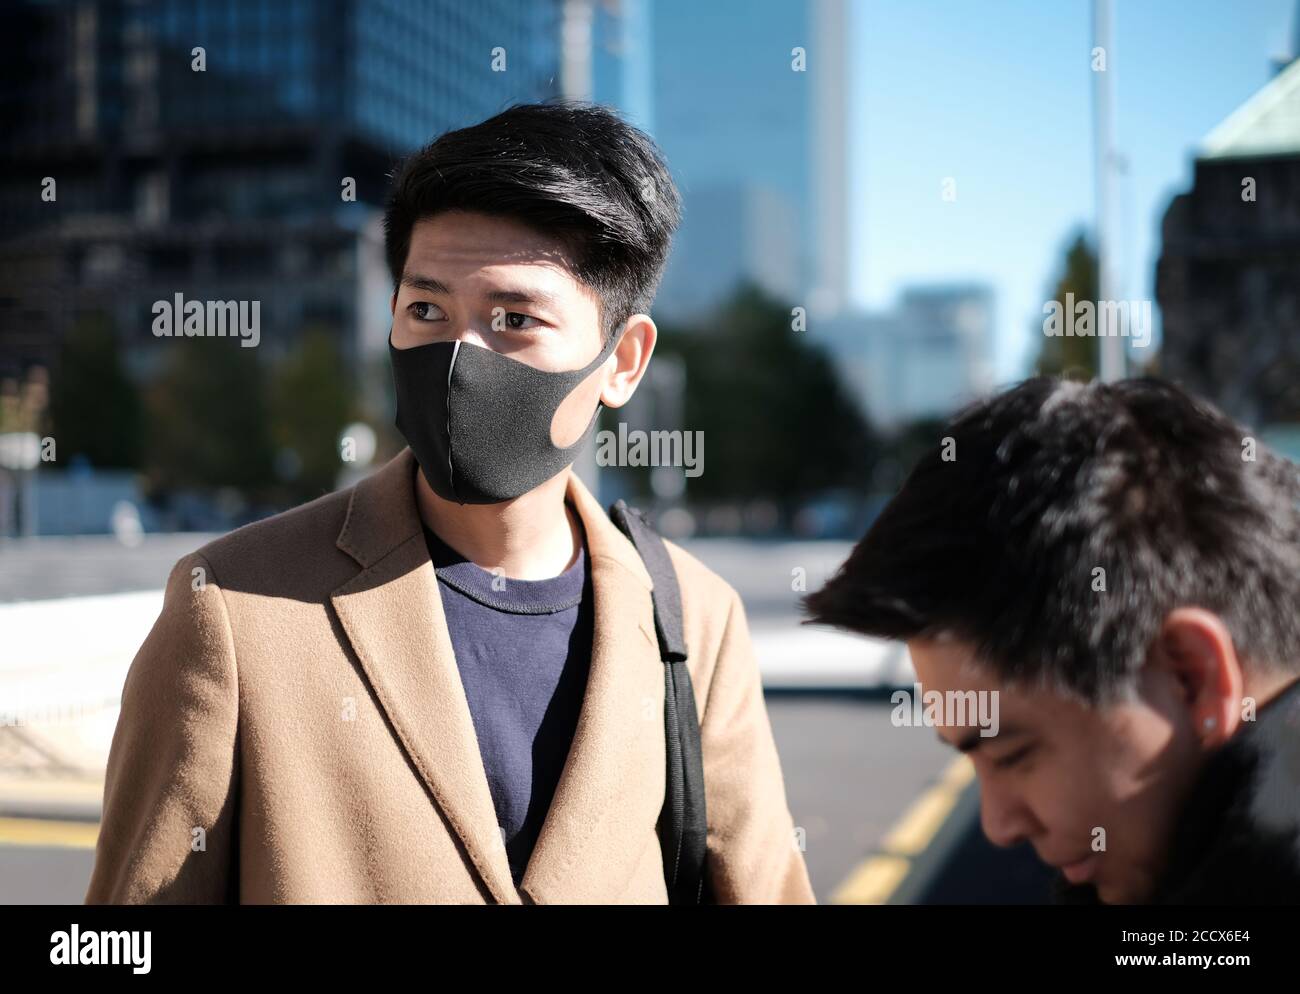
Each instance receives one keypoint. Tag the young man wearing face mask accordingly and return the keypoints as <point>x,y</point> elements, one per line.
<point>445,684</point>
<point>1120,564</point>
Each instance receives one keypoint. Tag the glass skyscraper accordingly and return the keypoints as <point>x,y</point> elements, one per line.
<point>202,146</point>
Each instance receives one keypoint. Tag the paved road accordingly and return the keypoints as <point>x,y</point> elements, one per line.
<point>850,774</point>
<point>79,565</point>
<point>34,569</point>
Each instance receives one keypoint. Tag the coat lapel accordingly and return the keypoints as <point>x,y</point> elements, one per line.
<point>611,787</point>
<point>392,614</point>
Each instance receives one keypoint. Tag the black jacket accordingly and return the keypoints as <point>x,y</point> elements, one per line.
<point>1237,839</point>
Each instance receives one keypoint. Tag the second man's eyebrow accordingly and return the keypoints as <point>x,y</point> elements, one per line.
<point>530,295</point>
<point>972,739</point>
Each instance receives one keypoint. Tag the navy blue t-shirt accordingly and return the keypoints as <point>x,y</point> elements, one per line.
<point>523,648</point>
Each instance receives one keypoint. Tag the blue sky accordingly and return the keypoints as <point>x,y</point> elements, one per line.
<point>998,95</point>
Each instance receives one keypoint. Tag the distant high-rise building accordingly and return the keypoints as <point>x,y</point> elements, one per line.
<point>739,233</point>
<point>924,359</point>
<point>233,150</point>
<point>621,47</point>
<point>751,97</point>
<point>1228,277</point>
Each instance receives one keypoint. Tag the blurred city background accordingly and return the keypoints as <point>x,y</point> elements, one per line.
<point>881,200</point>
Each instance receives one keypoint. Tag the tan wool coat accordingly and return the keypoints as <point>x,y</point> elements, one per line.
<point>294,730</point>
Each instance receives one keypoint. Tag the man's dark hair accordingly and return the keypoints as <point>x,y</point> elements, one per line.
<point>569,169</point>
<point>1050,481</point>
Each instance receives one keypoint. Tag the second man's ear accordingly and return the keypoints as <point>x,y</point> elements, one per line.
<point>1196,648</point>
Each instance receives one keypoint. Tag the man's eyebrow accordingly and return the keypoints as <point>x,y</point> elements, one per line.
<point>531,295</point>
<point>973,738</point>
<point>416,282</point>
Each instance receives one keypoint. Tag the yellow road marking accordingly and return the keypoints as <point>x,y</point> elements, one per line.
<point>46,832</point>
<point>876,878</point>
<point>872,881</point>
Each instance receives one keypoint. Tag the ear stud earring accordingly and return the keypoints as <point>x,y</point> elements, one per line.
<point>1209,723</point>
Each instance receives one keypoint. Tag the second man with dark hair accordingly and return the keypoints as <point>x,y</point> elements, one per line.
<point>1115,570</point>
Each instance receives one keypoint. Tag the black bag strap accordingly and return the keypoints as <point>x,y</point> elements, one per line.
<point>682,824</point>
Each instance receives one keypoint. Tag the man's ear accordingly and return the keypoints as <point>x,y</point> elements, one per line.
<point>392,303</point>
<point>631,358</point>
<point>1196,649</point>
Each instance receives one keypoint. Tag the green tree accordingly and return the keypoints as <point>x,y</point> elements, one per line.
<point>207,424</point>
<point>776,420</point>
<point>311,403</point>
<point>95,409</point>
<point>1069,355</point>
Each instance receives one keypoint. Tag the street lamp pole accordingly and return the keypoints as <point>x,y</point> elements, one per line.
<point>1110,346</point>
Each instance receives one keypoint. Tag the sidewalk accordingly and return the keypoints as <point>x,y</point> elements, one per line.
<point>63,662</point>
<point>41,774</point>
<point>61,679</point>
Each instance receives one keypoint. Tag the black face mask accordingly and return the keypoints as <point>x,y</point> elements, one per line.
<point>479,423</point>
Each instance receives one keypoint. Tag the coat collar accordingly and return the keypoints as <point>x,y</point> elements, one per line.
<point>1239,831</point>
<point>382,514</point>
<point>612,783</point>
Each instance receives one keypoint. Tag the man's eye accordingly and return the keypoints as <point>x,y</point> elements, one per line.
<point>1006,762</point>
<point>421,308</point>
<point>517,325</point>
